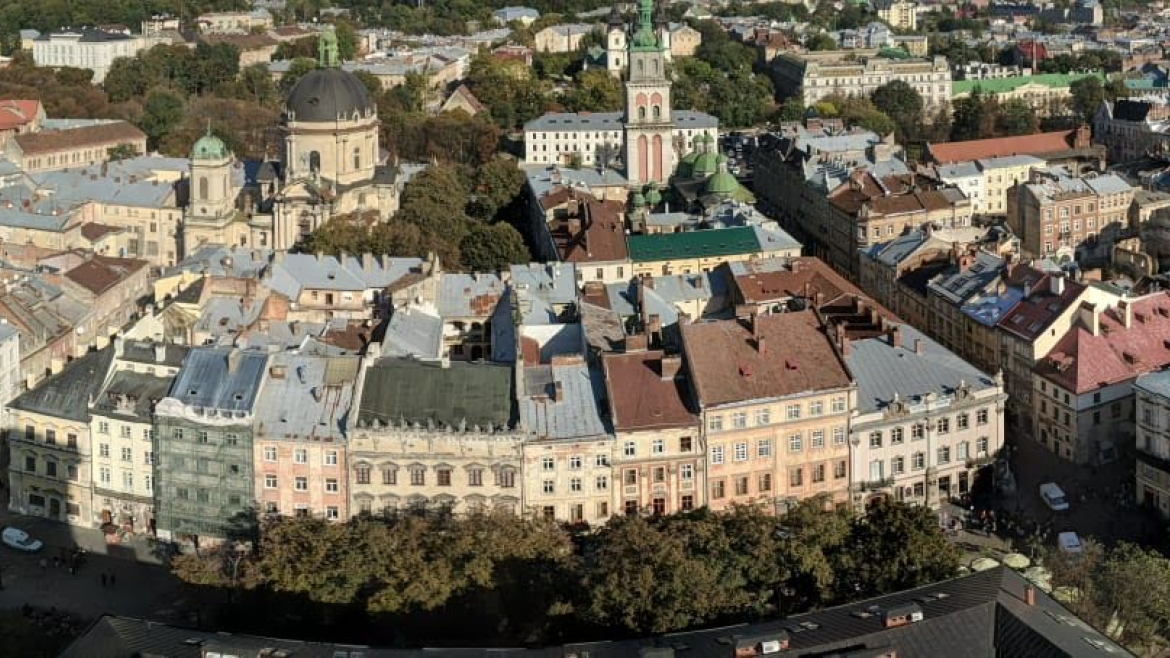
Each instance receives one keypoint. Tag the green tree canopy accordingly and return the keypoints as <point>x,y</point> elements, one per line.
<point>492,247</point>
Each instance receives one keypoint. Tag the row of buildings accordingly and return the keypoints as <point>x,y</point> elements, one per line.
<point>526,391</point>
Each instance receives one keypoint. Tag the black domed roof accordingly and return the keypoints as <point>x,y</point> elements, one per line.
<point>325,94</point>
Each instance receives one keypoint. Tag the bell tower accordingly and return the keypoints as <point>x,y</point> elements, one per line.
<point>648,121</point>
<point>615,44</point>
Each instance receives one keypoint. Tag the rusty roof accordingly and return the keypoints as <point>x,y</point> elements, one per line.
<point>118,132</point>
<point>979,149</point>
<point>598,235</point>
<point>641,398</point>
<point>100,273</point>
<point>727,363</point>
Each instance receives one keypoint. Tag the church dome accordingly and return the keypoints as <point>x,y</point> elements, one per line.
<point>326,94</point>
<point>705,165</point>
<point>722,183</point>
<point>209,147</point>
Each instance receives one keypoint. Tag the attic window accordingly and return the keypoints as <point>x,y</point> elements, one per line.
<point>1019,319</point>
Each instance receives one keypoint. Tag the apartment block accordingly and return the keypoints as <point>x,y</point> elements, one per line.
<point>1152,436</point>
<point>1056,215</point>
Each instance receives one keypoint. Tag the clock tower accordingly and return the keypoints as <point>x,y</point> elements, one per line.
<point>648,122</point>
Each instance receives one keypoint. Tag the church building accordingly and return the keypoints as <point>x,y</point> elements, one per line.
<point>330,164</point>
<point>649,137</point>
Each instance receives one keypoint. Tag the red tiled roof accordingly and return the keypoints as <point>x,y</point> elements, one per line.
<point>1036,311</point>
<point>806,276</point>
<point>726,365</point>
<point>467,96</point>
<point>118,132</point>
<point>101,273</point>
<point>979,149</point>
<point>641,398</point>
<point>601,237</point>
<point>1082,362</point>
<point>94,231</point>
<point>17,113</point>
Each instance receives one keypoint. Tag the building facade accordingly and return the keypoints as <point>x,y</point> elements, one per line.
<point>1152,477</point>
<point>92,49</point>
<point>816,75</point>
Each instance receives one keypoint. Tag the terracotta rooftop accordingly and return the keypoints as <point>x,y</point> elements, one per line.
<point>17,113</point>
<point>100,273</point>
<point>787,354</point>
<point>979,149</point>
<point>118,132</point>
<point>643,396</point>
<point>1083,361</point>
<point>597,234</point>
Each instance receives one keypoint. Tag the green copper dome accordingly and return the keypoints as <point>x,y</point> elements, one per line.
<point>705,165</point>
<point>639,200</point>
<point>722,183</point>
<point>644,38</point>
<point>653,198</point>
<point>210,147</point>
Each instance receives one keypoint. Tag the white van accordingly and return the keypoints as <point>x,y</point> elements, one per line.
<point>1053,497</point>
<point>1069,543</point>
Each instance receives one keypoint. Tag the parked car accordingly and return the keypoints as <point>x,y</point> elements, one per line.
<point>19,539</point>
<point>1069,543</point>
<point>1053,496</point>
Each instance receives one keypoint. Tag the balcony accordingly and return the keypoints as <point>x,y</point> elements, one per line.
<point>876,485</point>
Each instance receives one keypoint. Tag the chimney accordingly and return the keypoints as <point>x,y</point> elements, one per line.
<point>558,391</point>
<point>669,367</point>
<point>919,346</point>
<point>1057,283</point>
<point>367,261</point>
<point>160,352</point>
<point>1087,314</point>
<point>896,336</point>
<point>233,360</point>
<point>1030,595</point>
<point>761,346</point>
<point>119,346</point>
<point>1126,312</point>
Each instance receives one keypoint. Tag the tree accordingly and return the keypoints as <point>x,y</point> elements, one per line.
<point>974,116</point>
<point>594,90</point>
<point>162,112</point>
<point>497,184</point>
<point>821,41</point>
<point>903,104</point>
<point>895,546</point>
<point>1016,117</point>
<point>1087,96</point>
<point>492,247</point>
<point>809,541</point>
<point>792,110</point>
<point>122,152</point>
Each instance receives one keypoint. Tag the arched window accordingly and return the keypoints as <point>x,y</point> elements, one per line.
<point>655,66</point>
<point>642,112</point>
<point>657,112</point>
<point>357,158</point>
<point>203,188</point>
<point>641,66</point>
<point>314,161</point>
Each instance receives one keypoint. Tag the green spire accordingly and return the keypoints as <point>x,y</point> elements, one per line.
<point>327,52</point>
<point>644,38</point>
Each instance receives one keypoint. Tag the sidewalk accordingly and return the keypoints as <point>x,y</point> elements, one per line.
<point>57,535</point>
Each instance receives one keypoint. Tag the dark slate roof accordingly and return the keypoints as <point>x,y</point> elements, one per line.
<point>1127,110</point>
<point>140,389</point>
<point>67,394</point>
<point>397,390</point>
<point>149,352</point>
<point>326,94</point>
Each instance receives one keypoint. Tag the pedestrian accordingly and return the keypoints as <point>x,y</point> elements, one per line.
<point>103,581</point>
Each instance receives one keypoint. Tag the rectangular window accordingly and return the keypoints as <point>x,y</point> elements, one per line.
<point>875,439</point>
<point>795,442</point>
<point>684,444</point>
<point>764,448</point>
<point>838,405</point>
<point>203,438</point>
<point>944,425</point>
<point>816,408</point>
<point>796,477</point>
<point>331,513</point>
<point>917,431</point>
<point>104,475</point>
<point>718,489</point>
<point>443,475</point>
<point>818,473</point>
<point>981,446</point>
<point>601,461</point>
<point>301,483</point>
<point>601,483</point>
<point>686,472</point>
<point>127,480</point>
<point>961,451</point>
<point>331,458</point>
<point>549,486</point>
<point>362,474</point>
<point>548,464</point>
<point>658,447</point>
<point>71,440</point>
<point>739,420</point>
<point>575,485</point>
<point>630,477</point>
<point>897,465</point>
<point>765,482</point>
<point>103,428</point>
<point>301,456</point>
<point>51,437</point>
<point>269,453</point>
<point>71,472</point>
<point>716,454</point>
<point>918,461</point>
<point>630,449</point>
<point>741,485</point>
<point>981,417</point>
<point>763,417</point>
<point>177,434</point>
<point>418,477</point>
<point>269,481</point>
<point>389,475</point>
<point>962,421</point>
<point>575,462</point>
<point>104,449</point>
<point>840,469</point>
<point>792,412</point>
<point>741,451</point>
<point>896,436</point>
<point>839,436</point>
<point>944,454</point>
<point>51,469</point>
<point>715,423</point>
<point>475,477</point>
<point>127,454</point>
<point>124,431</point>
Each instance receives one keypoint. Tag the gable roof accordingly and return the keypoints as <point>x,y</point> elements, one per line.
<point>641,397</point>
<point>100,273</point>
<point>48,141</point>
<point>67,394</point>
<point>727,366</point>
<point>398,390</point>
<point>979,149</point>
<point>17,113</point>
<point>1041,303</point>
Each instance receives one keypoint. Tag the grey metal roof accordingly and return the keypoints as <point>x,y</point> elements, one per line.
<point>306,397</point>
<point>556,283</point>
<point>296,272</point>
<point>414,331</point>
<point>896,250</point>
<point>882,370</point>
<point>957,285</point>
<point>542,179</point>
<point>456,394</point>
<point>80,186</point>
<point>1157,383</point>
<point>464,295</point>
<point>1010,161</point>
<point>958,170</point>
<point>67,394</point>
<point>574,412</point>
<point>226,261</point>
<point>221,378</point>
<point>326,94</point>
<point>773,238</point>
<point>573,121</point>
<point>149,352</point>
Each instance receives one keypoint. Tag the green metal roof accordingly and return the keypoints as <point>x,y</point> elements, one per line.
<point>693,244</point>
<point>209,147</point>
<point>722,183</point>
<point>399,390</point>
<point>1004,85</point>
